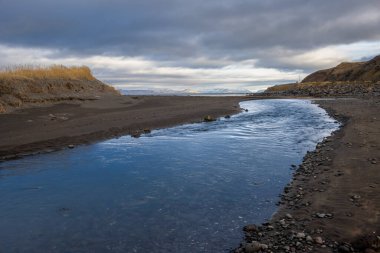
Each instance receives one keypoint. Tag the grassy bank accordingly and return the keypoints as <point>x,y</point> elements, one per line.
<point>25,85</point>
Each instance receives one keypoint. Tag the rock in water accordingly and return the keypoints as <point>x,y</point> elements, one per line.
<point>208,118</point>
<point>147,130</point>
<point>136,134</point>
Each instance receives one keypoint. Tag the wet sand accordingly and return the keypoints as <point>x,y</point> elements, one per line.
<point>333,202</point>
<point>48,128</point>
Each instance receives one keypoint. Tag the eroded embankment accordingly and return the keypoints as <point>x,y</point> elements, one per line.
<point>23,87</point>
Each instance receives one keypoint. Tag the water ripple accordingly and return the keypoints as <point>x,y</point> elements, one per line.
<point>189,188</point>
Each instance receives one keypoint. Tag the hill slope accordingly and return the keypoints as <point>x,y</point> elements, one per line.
<point>26,85</point>
<point>346,79</point>
<point>348,71</point>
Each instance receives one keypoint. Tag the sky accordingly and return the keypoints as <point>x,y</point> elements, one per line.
<point>195,45</point>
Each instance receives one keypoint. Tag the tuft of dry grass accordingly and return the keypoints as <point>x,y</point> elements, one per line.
<point>50,72</point>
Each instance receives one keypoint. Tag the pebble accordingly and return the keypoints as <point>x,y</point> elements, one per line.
<point>255,247</point>
<point>320,215</point>
<point>349,214</point>
<point>71,146</point>
<point>344,248</point>
<point>318,240</point>
<point>301,235</point>
<point>355,197</point>
<point>289,216</point>
<point>250,228</point>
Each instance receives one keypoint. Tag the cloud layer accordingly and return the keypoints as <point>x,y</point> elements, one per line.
<point>178,43</point>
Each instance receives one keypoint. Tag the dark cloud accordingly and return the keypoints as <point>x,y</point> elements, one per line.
<point>180,30</point>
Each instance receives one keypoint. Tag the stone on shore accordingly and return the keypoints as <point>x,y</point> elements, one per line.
<point>209,118</point>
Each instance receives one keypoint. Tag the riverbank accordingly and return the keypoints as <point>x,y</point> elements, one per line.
<point>333,202</point>
<point>65,125</point>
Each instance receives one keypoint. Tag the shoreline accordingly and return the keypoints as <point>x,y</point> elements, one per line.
<point>48,128</point>
<point>331,204</point>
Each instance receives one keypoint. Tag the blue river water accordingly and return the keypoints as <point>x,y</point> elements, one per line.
<point>189,188</point>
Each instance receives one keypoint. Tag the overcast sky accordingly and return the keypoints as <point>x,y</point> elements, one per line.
<point>196,45</point>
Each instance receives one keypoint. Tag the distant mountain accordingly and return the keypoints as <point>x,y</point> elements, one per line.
<point>348,71</point>
<point>226,91</point>
<point>163,92</point>
<point>156,92</point>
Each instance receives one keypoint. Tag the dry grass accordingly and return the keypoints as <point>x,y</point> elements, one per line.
<point>51,72</point>
<point>25,85</point>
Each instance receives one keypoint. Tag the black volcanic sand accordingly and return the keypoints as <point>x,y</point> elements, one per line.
<point>48,128</point>
<point>333,202</point>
